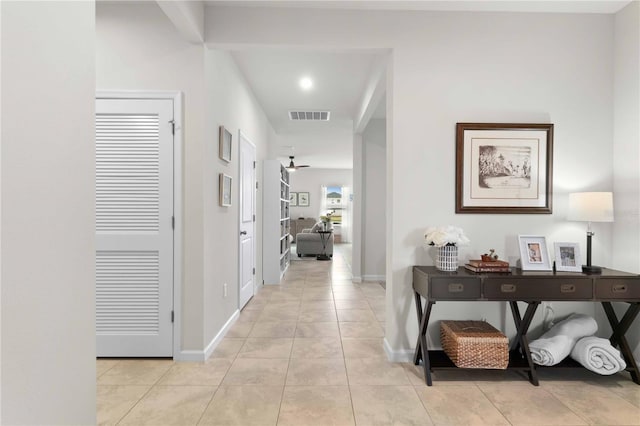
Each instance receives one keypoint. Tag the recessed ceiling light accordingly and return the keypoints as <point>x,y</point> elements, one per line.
<point>306,83</point>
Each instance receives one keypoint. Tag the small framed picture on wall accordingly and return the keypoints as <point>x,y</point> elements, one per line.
<point>293,199</point>
<point>303,199</point>
<point>225,190</point>
<point>224,144</point>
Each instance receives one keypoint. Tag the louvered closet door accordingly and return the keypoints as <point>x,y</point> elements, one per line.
<point>134,232</point>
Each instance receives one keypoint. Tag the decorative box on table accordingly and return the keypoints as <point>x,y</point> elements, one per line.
<point>474,344</point>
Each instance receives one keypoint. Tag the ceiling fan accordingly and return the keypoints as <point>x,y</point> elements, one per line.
<point>292,167</point>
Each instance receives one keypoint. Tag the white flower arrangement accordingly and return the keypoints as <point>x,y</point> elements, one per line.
<point>445,236</point>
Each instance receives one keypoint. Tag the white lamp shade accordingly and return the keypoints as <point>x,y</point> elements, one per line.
<point>591,206</point>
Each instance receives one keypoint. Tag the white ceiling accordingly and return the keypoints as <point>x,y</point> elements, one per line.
<point>542,6</point>
<point>340,77</point>
<point>339,80</point>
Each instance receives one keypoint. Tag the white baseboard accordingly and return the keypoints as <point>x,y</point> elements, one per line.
<point>356,279</point>
<point>402,355</point>
<point>374,277</point>
<point>191,355</point>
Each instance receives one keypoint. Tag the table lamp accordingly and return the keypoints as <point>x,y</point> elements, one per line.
<point>590,207</point>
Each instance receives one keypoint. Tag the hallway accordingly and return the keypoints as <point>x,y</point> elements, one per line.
<point>310,352</point>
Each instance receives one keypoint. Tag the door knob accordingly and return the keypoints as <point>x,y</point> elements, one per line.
<point>243,233</point>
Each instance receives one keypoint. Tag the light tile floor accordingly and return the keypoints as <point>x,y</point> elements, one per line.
<point>309,352</point>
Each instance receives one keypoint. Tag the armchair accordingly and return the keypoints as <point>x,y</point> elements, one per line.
<point>308,242</point>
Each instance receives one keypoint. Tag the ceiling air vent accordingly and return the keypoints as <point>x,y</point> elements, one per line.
<point>309,115</point>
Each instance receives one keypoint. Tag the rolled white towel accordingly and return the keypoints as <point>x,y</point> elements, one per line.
<point>556,344</point>
<point>597,354</point>
<point>550,351</point>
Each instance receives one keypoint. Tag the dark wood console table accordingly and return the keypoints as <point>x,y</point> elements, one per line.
<point>531,288</point>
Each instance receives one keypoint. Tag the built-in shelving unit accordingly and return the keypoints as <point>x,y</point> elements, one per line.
<point>276,244</point>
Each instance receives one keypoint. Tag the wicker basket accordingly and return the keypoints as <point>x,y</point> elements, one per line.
<point>474,344</point>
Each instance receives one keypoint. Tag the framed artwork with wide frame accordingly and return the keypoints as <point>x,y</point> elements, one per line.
<point>504,168</point>
<point>224,144</point>
<point>533,253</point>
<point>568,258</point>
<point>303,199</point>
<point>225,190</point>
<point>293,199</point>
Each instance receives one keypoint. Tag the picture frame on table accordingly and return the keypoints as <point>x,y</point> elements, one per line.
<point>225,144</point>
<point>534,255</point>
<point>293,199</point>
<point>504,168</point>
<point>225,190</point>
<point>303,199</point>
<point>568,257</point>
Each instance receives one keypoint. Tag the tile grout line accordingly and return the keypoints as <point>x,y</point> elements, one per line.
<point>107,370</point>
<point>222,379</point>
<point>588,421</point>
<point>232,360</point>
<point>143,396</point>
<point>286,375</point>
<point>492,403</point>
<point>210,401</point>
<point>344,359</point>
<point>415,390</point>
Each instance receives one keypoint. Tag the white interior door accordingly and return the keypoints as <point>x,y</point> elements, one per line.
<point>134,227</point>
<point>247,219</point>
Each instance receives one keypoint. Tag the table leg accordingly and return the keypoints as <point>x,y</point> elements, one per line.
<point>417,356</point>
<point>618,337</point>
<point>521,342</point>
<point>324,239</point>
<point>422,351</point>
<point>517,319</point>
<point>522,324</point>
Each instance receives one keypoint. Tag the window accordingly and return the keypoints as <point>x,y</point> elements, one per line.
<point>335,203</point>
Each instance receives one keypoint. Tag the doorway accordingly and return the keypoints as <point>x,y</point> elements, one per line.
<point>247,253</point>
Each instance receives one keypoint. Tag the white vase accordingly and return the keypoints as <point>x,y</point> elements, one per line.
<point>447,258</point>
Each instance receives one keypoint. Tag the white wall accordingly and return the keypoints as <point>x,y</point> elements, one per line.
<point>497,70</point>
<point>375,200</point>
<point>357,249</point>
<point>626,150</point>
<point>48,180</point>
<point>138,48</point>
<point>0,215</point>
<point>310,180</point>
<point>230,103</point>
<point>454,67</point>
<point>626,139</point>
